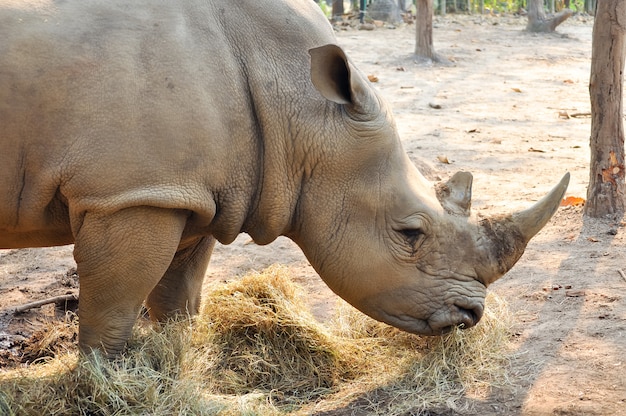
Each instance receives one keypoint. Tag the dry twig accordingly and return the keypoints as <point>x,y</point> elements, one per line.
<point>36,304</point>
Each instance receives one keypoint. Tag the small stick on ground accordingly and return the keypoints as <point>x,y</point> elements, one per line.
<point>56,299</point>
<point>621,272</point>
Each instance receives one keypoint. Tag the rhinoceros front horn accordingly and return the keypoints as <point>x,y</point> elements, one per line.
<point>507,235</point>
<point>531,220</point>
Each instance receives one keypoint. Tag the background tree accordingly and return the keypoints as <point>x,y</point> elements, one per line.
<point>590,6</point>
<point>605,194</point>
<point>424,31</point>
<point>337,9</point>
<point>539,22</point>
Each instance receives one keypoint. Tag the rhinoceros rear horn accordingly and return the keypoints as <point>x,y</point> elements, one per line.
<point>455,195</point>
<point>508,235</point>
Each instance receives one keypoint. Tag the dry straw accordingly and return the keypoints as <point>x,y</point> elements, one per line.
<point>256,349</point>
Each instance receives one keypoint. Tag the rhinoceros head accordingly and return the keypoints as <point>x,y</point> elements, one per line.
<point>380,235</point>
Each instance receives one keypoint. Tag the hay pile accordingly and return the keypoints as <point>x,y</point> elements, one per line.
<point>265,338</point>
<point>256,349</point>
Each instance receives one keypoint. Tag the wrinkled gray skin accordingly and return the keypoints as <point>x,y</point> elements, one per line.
<point>144,130</point>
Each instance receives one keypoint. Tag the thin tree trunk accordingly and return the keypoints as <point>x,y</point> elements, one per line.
<point>424,31</point>
<point>605,194</point>
<point>539,22</point>
<point>590,6</point>
<point>337,9</point>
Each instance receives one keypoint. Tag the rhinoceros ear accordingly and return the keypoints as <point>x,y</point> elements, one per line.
<point>330,73</point>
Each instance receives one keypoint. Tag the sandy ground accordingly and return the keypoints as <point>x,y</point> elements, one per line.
<point>500,111</point>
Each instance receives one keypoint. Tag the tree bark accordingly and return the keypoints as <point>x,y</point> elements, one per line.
<point>424,31</point>
<point>605,194</point>
<point>337,9</point>
<point>539,22</point>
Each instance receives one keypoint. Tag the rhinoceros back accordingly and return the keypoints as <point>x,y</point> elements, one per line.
<point>109,104</point>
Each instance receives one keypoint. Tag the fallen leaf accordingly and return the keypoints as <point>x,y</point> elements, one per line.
<point>435,106</point>
<point>473,130</point>
<point>572,201</point>
<point>443,159</point>
<point>536,150</point>
<point>568,81</point>
<point>372,78</point>
<point>516,89</point>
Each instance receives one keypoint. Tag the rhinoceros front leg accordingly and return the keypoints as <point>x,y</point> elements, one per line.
<point>179,290</point>
<point>120,258</point>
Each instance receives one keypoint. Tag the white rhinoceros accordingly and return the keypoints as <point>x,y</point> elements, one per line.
<point>144,130</point>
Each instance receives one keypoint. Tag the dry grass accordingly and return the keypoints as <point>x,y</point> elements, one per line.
<point>256,349</point>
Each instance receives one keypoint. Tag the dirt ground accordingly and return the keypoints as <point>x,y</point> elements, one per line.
<point>512,108</point>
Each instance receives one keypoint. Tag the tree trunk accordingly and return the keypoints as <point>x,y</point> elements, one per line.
<point>590,6</point>
<point>605,194</point>
<point>424,31</point>
<point>537,20</point>
<point>337,9</point>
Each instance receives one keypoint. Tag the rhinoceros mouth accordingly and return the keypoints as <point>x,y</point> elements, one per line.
<point>439,323</point>
<point>408,323</point>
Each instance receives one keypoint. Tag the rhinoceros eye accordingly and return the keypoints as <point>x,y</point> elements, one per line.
<point>413,236</point>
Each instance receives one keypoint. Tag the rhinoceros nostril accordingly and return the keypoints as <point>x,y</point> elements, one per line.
<point>469,316</point>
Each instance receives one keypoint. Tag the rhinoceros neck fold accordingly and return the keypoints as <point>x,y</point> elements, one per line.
<point>274,203</point>
<point>279,179</point>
